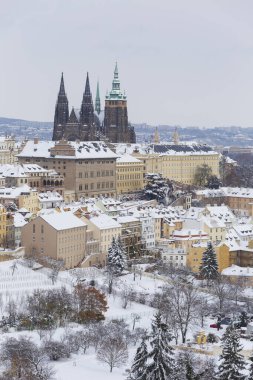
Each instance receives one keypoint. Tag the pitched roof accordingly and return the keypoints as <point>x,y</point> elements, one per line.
<point>62,220</point>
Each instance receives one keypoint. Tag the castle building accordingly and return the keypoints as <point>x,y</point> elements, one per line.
<point>89,125</point>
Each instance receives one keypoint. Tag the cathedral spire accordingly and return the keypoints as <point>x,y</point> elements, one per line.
<point>97,101</point>
<point>61,111</point>
<point>62,87</point>
<point>87,86</point>
<point>87,109</point>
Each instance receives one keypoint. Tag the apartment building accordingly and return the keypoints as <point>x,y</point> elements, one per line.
<point>23,197</point>
<point>61,236</point>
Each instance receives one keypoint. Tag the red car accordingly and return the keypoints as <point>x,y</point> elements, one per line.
<point>215,326</point>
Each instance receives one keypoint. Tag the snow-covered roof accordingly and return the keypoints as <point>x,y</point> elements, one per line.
<point>237,192</point>
<point>82,150</point>
<point>62,220</point>
<point>243,230</point>
<point>164,149</point>
<point>189,234</point>
<point>213,222</point>
<point>15,171</point>
<point>20,171</point>
<point>235,270</point>
<point>104,222</point>
<point>128,158</point>
<point>50,196</point>
<point>14,192</point>
<point>126,219</point>
<point>19,220</point>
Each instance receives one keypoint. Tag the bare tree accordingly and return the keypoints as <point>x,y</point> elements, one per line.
<point>222,290</point>
<point>54,265</point>
<point>24,360</point>
<point>181,304</point>
<point>113,351</point>
<point>203,309</point>
<point>135,318</point>
<point>126,295</point>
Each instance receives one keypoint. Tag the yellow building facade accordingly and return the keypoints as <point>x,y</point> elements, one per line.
<point>195,254</point>
<point>179,167</point>
<point>2,226</point>
<point>129,174</point>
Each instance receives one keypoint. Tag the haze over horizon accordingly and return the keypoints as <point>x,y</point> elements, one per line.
<point>184,63</point>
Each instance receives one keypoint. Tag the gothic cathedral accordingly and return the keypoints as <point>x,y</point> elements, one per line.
<point>88,124</point>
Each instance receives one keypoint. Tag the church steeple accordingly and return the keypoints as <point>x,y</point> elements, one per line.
<point>61,111</point>
<point>87,109</point>
<point>97,101</point>
<point>62,87</point>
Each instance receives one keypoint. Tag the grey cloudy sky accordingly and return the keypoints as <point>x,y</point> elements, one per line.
<point>186,62</point>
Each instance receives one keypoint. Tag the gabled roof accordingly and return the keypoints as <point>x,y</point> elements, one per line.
<point>62,220</point>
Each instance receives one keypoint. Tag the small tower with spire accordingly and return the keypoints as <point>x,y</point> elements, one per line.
<point>156,136</point>
<point>97,101</point>
<point>61,112</point>
<point>175,137</point>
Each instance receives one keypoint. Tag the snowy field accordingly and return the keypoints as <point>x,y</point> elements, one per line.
<point>17,281</point>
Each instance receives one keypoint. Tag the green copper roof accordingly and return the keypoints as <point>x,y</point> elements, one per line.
<point>97,101</point>
<point>115,93</point>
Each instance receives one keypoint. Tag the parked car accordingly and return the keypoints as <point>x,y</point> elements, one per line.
<point>226,321</point>
<point>215,326</point>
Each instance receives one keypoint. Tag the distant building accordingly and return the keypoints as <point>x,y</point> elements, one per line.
<point>8,150</point>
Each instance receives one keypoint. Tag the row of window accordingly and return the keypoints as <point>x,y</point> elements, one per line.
<point>104,173</point>
<point>91,186</point>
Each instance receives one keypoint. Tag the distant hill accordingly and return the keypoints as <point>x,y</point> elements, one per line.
<point>225,136</point>
<point>26,129</point>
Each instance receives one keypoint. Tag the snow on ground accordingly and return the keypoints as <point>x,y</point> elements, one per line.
<point>16,281</point>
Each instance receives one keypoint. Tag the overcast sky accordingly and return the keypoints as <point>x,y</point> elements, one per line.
<point>184,62</point>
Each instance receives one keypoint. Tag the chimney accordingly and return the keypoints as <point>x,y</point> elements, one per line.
<point>36,140</point>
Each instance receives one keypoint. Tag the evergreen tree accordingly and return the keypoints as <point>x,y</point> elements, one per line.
<point>115,262</point>
<point>116,257</point>
<point>139,367</point>
<point>244,319</point>
<point>232,362</point>
<point>186,367</point>
<point>162,364</point>
<point>250,377</point>
<point>209,267</point>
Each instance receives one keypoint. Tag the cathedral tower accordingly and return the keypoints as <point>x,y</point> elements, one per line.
<point>116,127</point>
<point>61,115</point>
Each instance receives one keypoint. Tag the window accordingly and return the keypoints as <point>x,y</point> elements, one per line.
<point>33,228</point>
<point>80,187</point>
<point>42,229</point>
